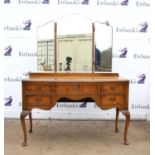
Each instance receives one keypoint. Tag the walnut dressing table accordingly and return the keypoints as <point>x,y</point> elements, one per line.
<point>44,90</point>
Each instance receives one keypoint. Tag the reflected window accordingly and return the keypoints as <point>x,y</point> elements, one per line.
<point>74,44</point>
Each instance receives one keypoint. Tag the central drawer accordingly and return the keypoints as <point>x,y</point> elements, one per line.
<point>72,88</point>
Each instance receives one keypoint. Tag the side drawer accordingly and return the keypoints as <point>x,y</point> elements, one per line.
<point>38,87</point>
<point>114,87</point>
<point>113,100</point>
<point>41,100</point>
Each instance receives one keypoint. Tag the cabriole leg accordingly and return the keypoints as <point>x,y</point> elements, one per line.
<point>30,117</point>
<point>126,113</point>
<point>22,118</point>
<point>116,120</point>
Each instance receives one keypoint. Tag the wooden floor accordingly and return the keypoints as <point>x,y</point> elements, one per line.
<point>57,137</point>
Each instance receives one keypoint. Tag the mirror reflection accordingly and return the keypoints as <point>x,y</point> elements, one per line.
<point>103,47</point>
<point>45,47</point>
<point>74,44</point>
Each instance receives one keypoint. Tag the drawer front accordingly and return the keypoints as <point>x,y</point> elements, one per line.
<point>73,88</point>
<point>42,100</point>
<point>113,100</point>
<point>114,87</point>
<point>65,88</point>
<point>88,88</point>
<point>38,87</point>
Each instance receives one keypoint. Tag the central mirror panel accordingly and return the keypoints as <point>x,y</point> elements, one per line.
<point>74,44</point>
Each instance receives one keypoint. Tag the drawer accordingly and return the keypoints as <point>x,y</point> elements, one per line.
<point>34,100</point>
<point>114,87</point>
<point>38,87</point>
<point>88,88</point>
<point>113,100</point>
<point>65,88</point>
<point>73,88</point>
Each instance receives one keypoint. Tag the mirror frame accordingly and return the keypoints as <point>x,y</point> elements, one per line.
<point>93,47</point>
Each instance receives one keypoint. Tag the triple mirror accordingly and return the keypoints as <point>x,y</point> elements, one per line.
<point>74,43</point>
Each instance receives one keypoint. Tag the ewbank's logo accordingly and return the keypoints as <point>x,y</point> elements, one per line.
<point>85,2</point>
<point>34,1</point>
<point>141,56</point>
<point>144,3</point>
<point>73,2</point>
<point>83,105</point>
<point>46,2</point>
<point>140,107</point>
<point>143,27</point>
<point>26,74</point>
<point>140,28</point>
<point>7,50</point>
<point>8,101</point>
<point>124,2</point>
<point>113,2</point>
<point>123,52</point>
<point>22,53</point>
<point>141,79</point>
<point>27,25</point>
<point>7,1</point>
<point>72,105</point>
<point>13,79</point>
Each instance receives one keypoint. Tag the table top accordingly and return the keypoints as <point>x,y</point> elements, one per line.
<point>74,77</point>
